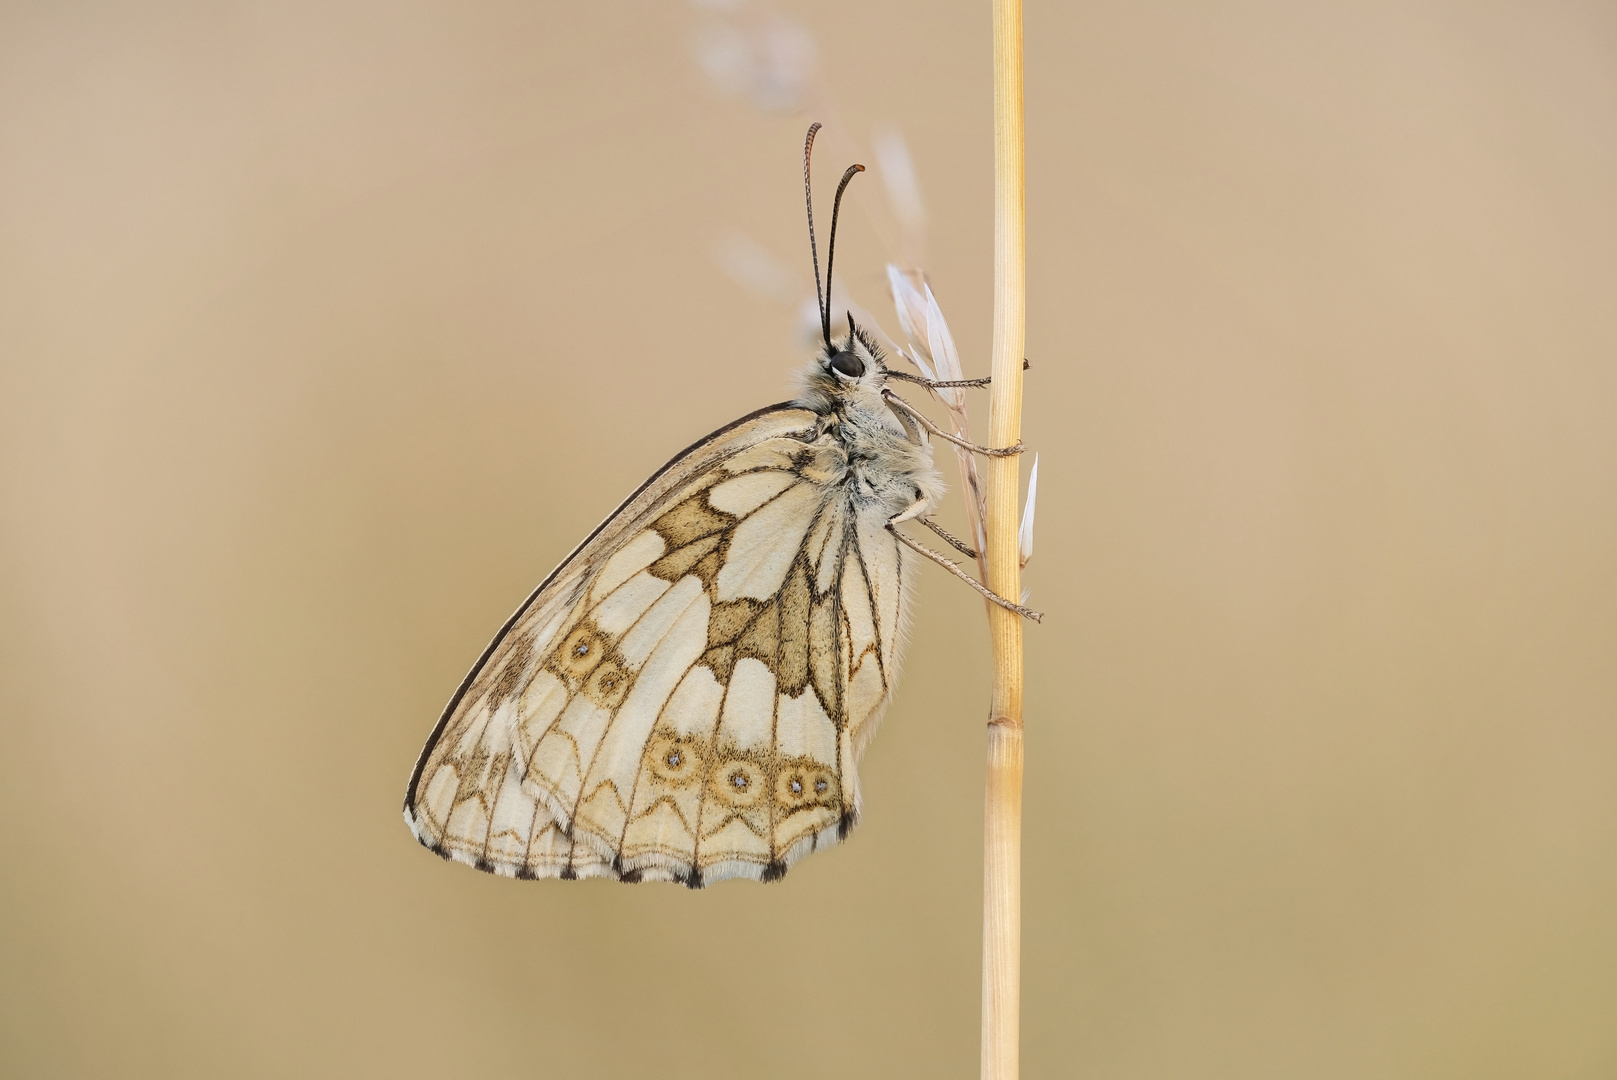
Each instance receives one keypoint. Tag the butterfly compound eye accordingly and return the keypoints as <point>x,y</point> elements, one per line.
<point>846,363</point>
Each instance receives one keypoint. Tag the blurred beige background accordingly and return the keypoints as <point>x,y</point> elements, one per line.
<point>327,329</point>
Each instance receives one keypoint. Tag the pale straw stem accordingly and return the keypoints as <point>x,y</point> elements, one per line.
<point>1002,833</point>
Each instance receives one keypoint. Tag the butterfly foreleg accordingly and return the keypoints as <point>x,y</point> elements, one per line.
<point>940,384</point>
<point>989,451</point>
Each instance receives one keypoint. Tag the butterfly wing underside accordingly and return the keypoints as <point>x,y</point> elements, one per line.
<point>687,695</point>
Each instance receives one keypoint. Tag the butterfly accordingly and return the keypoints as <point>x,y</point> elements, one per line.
<point>687,696</point>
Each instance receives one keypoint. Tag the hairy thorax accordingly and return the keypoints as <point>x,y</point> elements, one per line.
<point>884,465</point>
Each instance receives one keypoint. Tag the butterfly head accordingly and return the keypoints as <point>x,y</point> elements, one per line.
<point>854,361</point>
<point>848,369</point>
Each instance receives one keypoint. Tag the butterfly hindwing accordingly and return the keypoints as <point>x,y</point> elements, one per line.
<point>686,696</point>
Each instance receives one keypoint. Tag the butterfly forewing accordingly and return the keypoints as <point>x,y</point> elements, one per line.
<point>686,696</point>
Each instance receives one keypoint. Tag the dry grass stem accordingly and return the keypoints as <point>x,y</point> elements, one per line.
<point>1002,832</point>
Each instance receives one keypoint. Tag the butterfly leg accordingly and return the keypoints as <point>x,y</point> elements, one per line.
<point>939,384</point>
<point>914,431</point>
<point>910,513</point>
<point>990,594</point>
<point>989,451</point>
<point>914,512</point>
<point>958,545</point>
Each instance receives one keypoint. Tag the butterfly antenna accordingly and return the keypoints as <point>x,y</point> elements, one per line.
<point>814,250</point>
<point>831,247</point>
